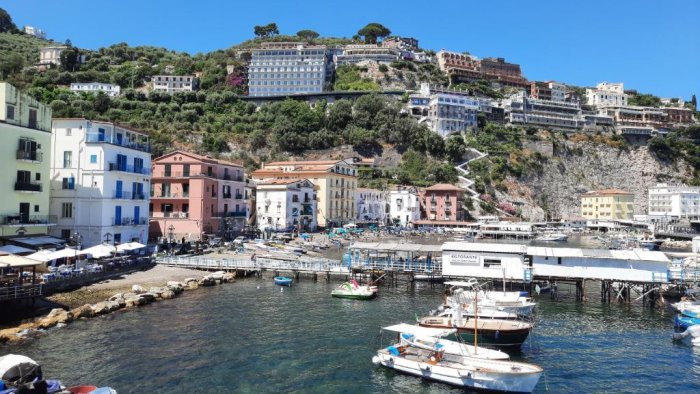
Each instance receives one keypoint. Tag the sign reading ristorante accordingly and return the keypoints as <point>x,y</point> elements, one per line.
<point>464,259</point>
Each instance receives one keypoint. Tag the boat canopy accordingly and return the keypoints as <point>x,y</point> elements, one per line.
<point>420,331</point>
<point>461,283</point>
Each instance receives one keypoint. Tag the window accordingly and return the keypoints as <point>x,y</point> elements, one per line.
<point>10,112</point>
<point>36,208</point>
<point>67,210</point>
<point>65,234</point>
<point>490,263</point>
<point>24,176</point>
<point>68,183</point>
<point>38,176</point>
<point>67,159</point>
<point>93,159</point>
<point>32,118</point>
<point>167,170</point>
<point>68,132</point>
<point>185,170</point>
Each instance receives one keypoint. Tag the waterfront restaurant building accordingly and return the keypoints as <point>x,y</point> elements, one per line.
<point>522,263</point>
<point>25,129</point>
<point>335,181</point>
<point>607,204</point>
<point>286,205</point>
<point>100,176</point>
<point>193,195</point>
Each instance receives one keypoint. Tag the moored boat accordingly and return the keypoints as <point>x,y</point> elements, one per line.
<point>552,237</point>
<point>691,333</point>
<point>496,332</point>
<point>435,363</point>
<point>682,322</point>
<point>353,291</point>
<point>283,281</point>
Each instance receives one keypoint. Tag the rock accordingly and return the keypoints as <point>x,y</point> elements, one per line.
<point>147,298</point>
<point>100,308</point>
<point>113,305</point>
<point>137,289</point>
<point>84,311</point>
<point>207,281</point>
<point>121,302</point>
<point>176,289</point>
<point>168,294</point>
<point>229,277</point>
<point>156,291</point>
<point>132,301</point>
<point>116,297</point>
<point>192,285</point>
<point>129,295</point>
<point>55,317</point>
<point>188,280</point>
<point>55,312</point>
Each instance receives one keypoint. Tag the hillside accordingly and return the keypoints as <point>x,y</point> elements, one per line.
<point>17,51</point>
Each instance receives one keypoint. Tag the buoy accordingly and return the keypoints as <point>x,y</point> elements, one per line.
<point>281,289</point>
<point>258,287</point>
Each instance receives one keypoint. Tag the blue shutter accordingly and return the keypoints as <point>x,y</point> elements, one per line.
<point>118,215</point>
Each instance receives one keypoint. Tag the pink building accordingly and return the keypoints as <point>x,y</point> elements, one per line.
<point>442,202</point>
<point>193,196</point>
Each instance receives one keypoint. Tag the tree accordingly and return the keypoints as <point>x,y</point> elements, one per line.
<point>266,31</point>
<point>68,42</point>
<point>6,24</point>
<point>372,32</point>
<point>455,148</point>
<point>69,58</point>
<point>307,35</point>
<point>13,64</point>
<point>694,103</point>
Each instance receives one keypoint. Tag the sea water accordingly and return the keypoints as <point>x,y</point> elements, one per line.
<point>250,337</point>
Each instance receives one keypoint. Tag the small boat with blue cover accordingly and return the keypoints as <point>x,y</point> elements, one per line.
<point>682,322</point>
<point>283,281</point>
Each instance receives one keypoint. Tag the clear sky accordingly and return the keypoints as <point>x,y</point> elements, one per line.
<point>651,46</point>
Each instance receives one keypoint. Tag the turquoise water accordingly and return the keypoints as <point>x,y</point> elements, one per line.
<point>245,339</point>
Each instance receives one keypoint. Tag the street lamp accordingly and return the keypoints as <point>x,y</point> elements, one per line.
<point>77,238</point>
<point>171,229</point>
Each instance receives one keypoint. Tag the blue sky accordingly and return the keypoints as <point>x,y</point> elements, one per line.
<point>651,46</point>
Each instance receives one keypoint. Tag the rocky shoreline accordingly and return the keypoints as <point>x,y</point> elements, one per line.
<point>138,296</point>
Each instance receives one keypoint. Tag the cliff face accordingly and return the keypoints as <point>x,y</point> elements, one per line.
<point>576,168</point>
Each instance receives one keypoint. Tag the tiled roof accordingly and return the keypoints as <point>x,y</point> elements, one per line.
<point>444,186</point>
<point>607,192</point>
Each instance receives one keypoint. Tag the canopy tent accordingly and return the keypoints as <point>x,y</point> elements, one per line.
<point>129,246</point>
<point>14,261</point>
<point>420,331</point>
<point>99,251</point>
<point>14,249</point>
<point>46,256</point>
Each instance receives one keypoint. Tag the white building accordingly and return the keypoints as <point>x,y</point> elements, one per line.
<point>560,115</point>
<point>33,31</point>
<point>674,201</point>
<point>100,181</point>
<point>174,83</point>
<point>286,205</point>
<point>356,53</point>
<point>446,112</point>
<point>51,55</point>
<point>94,87</point>
<point>404,206</point>
<point>558,91</point>
<point>371,205</point>
<point>287,68</point>
<point>607,94</point>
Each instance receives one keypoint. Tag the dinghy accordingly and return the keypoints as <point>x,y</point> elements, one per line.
<point>353,291</point>
<point>692,333</point>
<point>283,281</point>
<point>434,363</point>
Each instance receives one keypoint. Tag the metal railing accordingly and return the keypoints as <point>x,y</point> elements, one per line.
<point>19,292</point>
<point>119,194</point>
<point>259,263</point>
<point>30,156</point>
<point>175,215</point>
<point>129,168</point>
<point>108,139</point>
<point>229,214</point>
<point>27,219</point>
<point>28,187</point>
<point>125,221</point>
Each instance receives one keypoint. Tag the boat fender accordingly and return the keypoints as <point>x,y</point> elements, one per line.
<point>425,368</point>
<point>376,360</point>
<point>497,335</point>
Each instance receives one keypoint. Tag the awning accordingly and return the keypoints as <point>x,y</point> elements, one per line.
<point>14,249</point>
<point>420,331</point>
<point>38,241</point>
<point>99,251</point>
<point>44,255</point>
<point>129,246</point>
<point>14,261</point>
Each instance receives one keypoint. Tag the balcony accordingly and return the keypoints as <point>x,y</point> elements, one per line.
<point>129,168</point>
<point>129,221</point>
<point>239,196</point>
<point>138,196</point>
<point>227,195</point>
<point>172,195</point>
<point>34,157</point>
<point>121,195</point>
<point>171,215</point>
<point>231,214</point>
<point>30,187</point>
<point>97,138</point>
<point>27,220</point>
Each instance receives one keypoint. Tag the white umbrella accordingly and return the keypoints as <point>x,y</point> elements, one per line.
<point>99,251</point>
<point>42,255</point>
<point>129,246</point>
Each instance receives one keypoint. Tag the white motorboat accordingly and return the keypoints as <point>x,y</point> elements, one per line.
<point>468,312</point>
<point>552,237</point>
<point>464,371</point>
<point>691,333</point>
<point>503,301</point>
<point>688,308</point>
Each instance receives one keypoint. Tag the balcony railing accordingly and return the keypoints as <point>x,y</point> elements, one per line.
<point>171,195</point>
<point>179,174</point>
<point>121,195</point>
<point>35,156</point>
<point>174,215</point>
<point>28,187</point>
<point>129,221</point>
<point>108,139</point>
<point>138,196</point>
<point>231,214</point>
<point>227,195</point>
<point>129,168</point>
<point>23,220</point>
<point>239,196</point>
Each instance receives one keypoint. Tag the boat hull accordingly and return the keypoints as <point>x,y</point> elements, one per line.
<point>509,339</point>
<point>463,377</point>
<point>494,332</point>
<point>283,281</point>
<point>354,296</point>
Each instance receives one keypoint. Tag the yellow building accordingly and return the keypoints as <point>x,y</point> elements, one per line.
<point>610,204</point>
<point>25,132</point>
<point>335,181</point>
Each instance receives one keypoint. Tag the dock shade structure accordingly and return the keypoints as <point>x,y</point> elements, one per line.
<point>129,246</point>
<point>515,262</point>
<point>13,283</point>
<point>395,256</point>
<point>46,255</point>
<point>100,251</point>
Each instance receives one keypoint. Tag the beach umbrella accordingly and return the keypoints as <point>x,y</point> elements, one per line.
<point>129,246</point>
<point>46,255</point>
<point>99,251</point>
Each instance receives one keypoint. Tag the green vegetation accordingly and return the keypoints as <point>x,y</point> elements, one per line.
<point>372,32</point>
<point>266,31</point>
<point>480,87</point>
<point>347,77</point>
<point>680,144</point>
<point>644,100</point>
<point>308,35</point>
<point>6,24</point>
